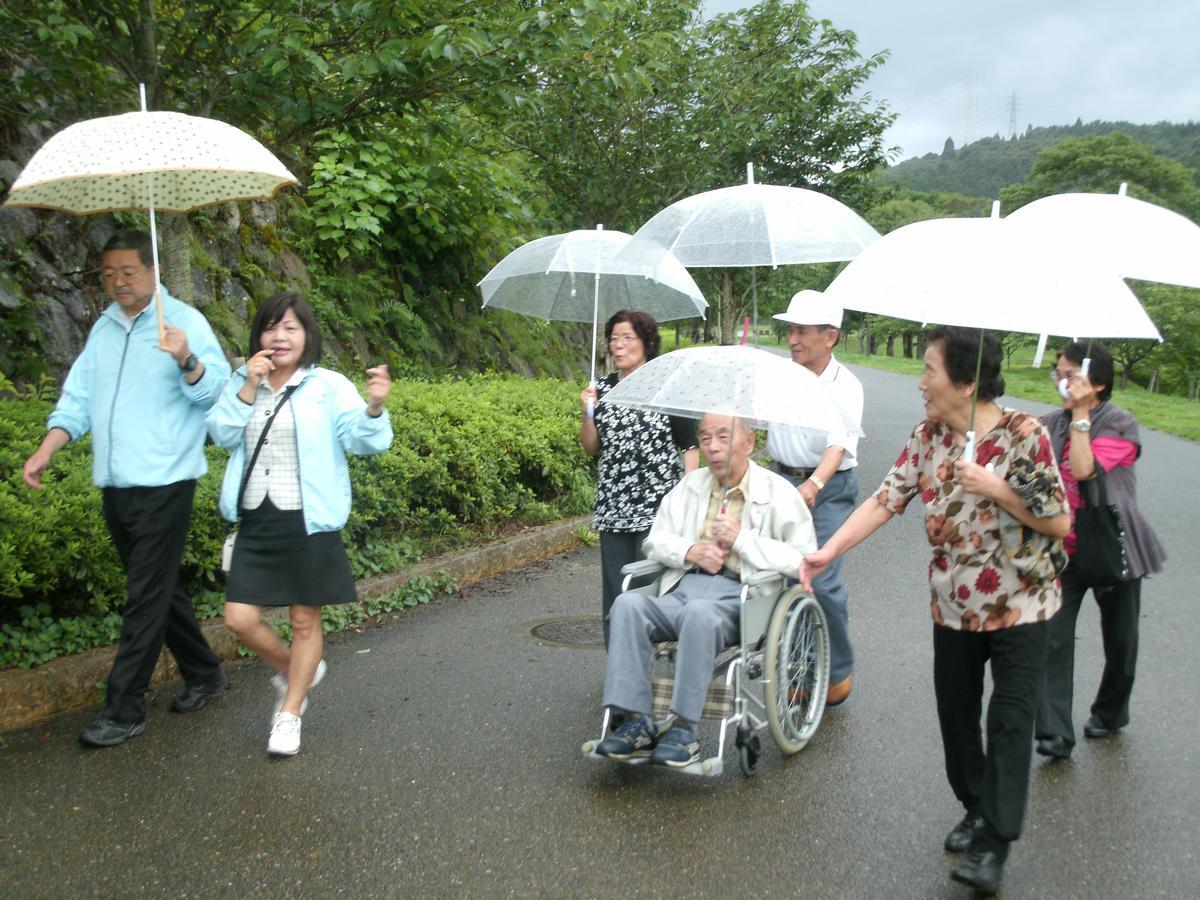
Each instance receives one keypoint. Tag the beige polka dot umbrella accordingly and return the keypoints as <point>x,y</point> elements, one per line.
<point>148,160</point>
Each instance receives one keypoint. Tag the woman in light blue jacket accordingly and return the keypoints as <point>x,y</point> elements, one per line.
<point>289,425</point>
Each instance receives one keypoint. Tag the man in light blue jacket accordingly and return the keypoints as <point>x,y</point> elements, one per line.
<point>144,404</point>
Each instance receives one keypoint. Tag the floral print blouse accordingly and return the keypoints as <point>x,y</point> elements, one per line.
<point>639,461</point>
<point>988,571</point>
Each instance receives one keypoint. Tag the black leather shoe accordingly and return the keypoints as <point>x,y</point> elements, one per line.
<point>959,839</point>
<point>195,696</point>
<point>107,733</point>
<point>1055,747</point>
<point>1094,728</point>
<point>981,870</point>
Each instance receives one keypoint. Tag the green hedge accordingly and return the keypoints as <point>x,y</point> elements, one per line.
<point>470,457</point>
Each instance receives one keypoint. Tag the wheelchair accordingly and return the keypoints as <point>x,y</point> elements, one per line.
<point>775,678</point>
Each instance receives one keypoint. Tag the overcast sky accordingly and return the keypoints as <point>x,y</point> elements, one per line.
<point>1065,59</point>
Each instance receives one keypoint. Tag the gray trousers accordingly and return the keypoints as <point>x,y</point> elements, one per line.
<point>833,507</point>
<point>702,613</point>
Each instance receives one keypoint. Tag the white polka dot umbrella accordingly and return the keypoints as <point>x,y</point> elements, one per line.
<point>148,160</point>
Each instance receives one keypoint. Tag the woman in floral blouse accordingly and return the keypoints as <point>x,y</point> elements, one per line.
<point>995,526</point>
<point>639,454</point>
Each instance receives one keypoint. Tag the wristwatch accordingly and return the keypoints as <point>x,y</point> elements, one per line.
<point>1083,426</point>
<point>190,364</point>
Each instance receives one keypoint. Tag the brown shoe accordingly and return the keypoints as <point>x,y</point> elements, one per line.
<point>839,692</point>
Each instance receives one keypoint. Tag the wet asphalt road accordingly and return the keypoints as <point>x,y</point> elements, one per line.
<point>441,758</point>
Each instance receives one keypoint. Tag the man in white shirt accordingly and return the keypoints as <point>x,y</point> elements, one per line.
<point>822,469</point>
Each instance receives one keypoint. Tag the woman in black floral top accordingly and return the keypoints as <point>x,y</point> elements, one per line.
<point>639,454</point>
<point>995,525</point>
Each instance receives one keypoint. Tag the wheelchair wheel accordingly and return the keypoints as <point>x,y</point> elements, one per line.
<point>797,668</point>
<point>749,749</point>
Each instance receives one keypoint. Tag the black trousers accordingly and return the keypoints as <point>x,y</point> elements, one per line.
<point>994,784</point>
<point>1120,607</point>
<point>617,549</point>
<point>149,527</point>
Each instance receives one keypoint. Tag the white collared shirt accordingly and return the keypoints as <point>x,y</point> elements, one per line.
<point>803,450</point>
<point>277,470</point>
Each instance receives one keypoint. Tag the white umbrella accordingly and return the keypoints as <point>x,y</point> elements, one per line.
<point>751,384</point>
<point>988,274</point>
<point>579,276</point>
<point>755,225</point>
<point>1133,238</point>
<point>148,160</point>
<point>984,273</point>
<point>1114,231</point>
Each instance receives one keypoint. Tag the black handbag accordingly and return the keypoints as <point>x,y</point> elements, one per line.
<point>1099,557</point>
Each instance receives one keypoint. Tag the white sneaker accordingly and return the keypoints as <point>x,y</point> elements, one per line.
<point>280,683</point>
<point>285,736</point>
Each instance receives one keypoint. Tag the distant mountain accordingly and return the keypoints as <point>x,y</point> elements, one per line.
<point>981,168</point>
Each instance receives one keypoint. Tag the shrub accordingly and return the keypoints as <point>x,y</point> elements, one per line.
<point>469,457</point>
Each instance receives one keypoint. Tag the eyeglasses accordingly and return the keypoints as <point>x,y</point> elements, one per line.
<point>108,276</point>
<point>1056,376</point>
<point>623,339</point>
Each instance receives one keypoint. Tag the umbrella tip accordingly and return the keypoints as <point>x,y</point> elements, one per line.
<point>599,227</point>
<point>749,173</point>
<point>995,209</point>
<point>1122,189</point>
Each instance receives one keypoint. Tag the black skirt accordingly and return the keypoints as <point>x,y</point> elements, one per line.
<point>275,563</point>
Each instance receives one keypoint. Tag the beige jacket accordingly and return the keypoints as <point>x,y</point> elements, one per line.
<point>777,529</point>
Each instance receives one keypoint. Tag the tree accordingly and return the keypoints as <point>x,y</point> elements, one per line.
<point>770,85</point>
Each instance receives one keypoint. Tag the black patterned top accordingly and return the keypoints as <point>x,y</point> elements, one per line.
<point>639,461</point>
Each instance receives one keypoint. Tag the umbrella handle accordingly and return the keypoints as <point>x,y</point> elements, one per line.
<point>591,408</point>
<point>1085,366</point>
<point>969,448</point>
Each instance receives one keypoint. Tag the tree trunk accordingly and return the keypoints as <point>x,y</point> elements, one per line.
<point>891,345</point>
<point>1153,386</point>
<point>908,345</point>
<point>176,259</point>
<point>727,318</point>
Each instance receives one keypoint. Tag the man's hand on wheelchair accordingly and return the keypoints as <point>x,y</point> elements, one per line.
<point>707,557</point>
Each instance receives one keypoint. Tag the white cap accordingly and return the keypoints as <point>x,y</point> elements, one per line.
<point>812,308</point>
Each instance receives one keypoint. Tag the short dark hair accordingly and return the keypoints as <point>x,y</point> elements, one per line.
<point>273,309</point>
<point>1100,369</point>
<point>132,239</point>
<point>643,325</point>
<point>961,349</point>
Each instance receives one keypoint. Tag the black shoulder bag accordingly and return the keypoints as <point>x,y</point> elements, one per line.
<point>1099,536</point>
<point>231,538</point>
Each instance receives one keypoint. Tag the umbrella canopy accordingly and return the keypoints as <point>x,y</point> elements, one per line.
<point>986,273</point>
<point>756,225</point>
<point>580,276</point>
<point>148,160</point>
<point>742,381</point>
<point>577,277</point>
<point>1114,231</point>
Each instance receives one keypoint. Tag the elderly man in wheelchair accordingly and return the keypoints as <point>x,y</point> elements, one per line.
<point>721,530</point>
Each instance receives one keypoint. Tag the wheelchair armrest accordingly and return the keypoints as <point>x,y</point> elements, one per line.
<point>642,567</point>
<point>763,577</point>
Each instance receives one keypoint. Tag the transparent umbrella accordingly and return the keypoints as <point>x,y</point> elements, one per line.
<point>751,384</point>
<point>580,276</point>
<point>148,160</point>
<point>754,225</point>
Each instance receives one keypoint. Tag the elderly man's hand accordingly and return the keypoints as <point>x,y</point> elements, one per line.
<point>707,557</point>
<point>725,530</point>
<point>175,342</point>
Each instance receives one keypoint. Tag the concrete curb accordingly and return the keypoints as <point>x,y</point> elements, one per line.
<point>70,682</point>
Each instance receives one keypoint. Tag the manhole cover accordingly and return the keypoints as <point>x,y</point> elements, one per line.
<point>581,631</point>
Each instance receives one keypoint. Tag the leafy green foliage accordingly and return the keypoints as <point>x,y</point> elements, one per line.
<point>470,457</point>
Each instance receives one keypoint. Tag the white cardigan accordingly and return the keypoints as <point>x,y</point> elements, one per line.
<point>777,529</point>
